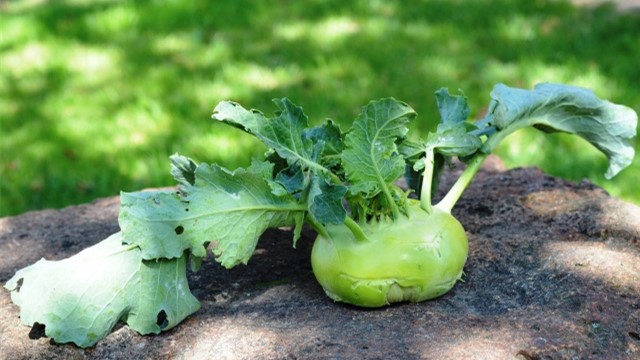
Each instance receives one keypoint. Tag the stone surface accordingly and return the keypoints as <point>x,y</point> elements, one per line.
<point>553,273</point>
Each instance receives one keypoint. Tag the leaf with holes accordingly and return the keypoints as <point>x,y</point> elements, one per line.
<point>228,209</point>
<point>80,299</point>
<point>375,246</point>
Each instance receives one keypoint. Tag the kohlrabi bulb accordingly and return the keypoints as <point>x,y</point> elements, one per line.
<point>414,258</point>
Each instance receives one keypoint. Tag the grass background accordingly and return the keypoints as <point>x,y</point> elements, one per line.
<point>95,95</point>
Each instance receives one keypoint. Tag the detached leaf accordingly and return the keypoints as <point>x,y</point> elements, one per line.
<point>228,209</point>
<point>563,108</point>
<point>80,299</point>
<point>371,159</point>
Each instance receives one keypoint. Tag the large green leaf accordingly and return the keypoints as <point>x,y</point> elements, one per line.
<point>570,109</point>
<point>309,152</point>
<point>80,299</point>
<point>228,209</point>
<point>286,133</point>
<point>371,159</point>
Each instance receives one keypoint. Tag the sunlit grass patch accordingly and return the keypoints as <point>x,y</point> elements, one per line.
<point>125,84</point>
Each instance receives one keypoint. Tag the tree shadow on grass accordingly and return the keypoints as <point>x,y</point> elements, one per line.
<point>172,62</point>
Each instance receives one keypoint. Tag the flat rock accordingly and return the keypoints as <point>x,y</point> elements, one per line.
<point>553,273</point>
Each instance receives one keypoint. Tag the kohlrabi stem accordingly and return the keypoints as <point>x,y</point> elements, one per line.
<point>395,211</point>
<point>358,234</point>
<point>427,179</point>
<point>447,203</point>
<point>318,227</point>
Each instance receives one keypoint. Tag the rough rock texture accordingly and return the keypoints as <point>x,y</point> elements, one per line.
<point>553,273</point>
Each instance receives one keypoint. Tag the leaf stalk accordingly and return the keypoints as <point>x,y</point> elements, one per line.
<point>447,203</point>
<point>317,226</point>
<point>427,180</point>
<point>358,234</point>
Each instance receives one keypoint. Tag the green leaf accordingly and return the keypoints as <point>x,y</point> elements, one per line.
<point>453,140</point>
<point>309,152</point>
<point>303,148</point>
<point>411,151</point>
<point>454,136</point>
<point>292,179</point>
<point>570,109</point>
<point>80,299</point>
<point>453,109</point>
<point>329,133</point>
<point>285,133</point>
<point>266,168</point>
<point>371,159</point>
<point>235,115</point>
<point>228,209</point>
<point>325,201</point>
<point>183,169</point>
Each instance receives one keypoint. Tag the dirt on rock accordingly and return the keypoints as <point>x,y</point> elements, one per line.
<point>553,273</point>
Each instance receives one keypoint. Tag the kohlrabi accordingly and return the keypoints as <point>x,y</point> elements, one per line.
<point>418,253</point>
<point>376,244</point>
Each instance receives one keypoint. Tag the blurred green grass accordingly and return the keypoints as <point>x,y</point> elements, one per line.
<point>95,95</point>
